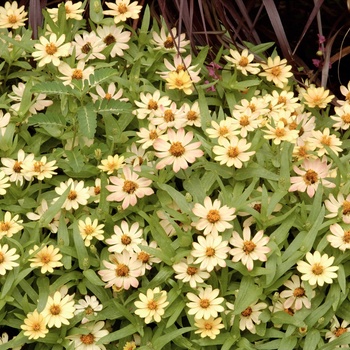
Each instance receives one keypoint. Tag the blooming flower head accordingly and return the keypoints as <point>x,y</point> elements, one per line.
<point>338,206</point>
<point>3,183</point>
<point>318,269</point>
<point>88,46</point>
<point>115,37</point>
<point>40,169</point>
<point>58,310</point>
<point>208,328</point>
<point>206,304</point>
<point>246,121</point>
<point>341,117</point>
<point>125,238</point>
<point>345,91</point>
<point>129,188</point>
<point>147,259</point>
<point>295,296</point>
<point>249,317</point>
<point>311,173</point>
<point>233,152</point>
<point>122,10</point>
<point>210,251</point>
<point>151,305</point>
<point>178,151</point>
<point>89,306</point>
<point>7,259</point>
<point>147,136</point>
<point>111,164</point>
<point>170,42</point>
<point>192,114</point>
<point>168,117</point>
<point>110,94</point>
<point>214,218</point>
<point>90,338</point>
<point>35,325</point>
<point>280,132</point>
<point>10,225</point>
<point>46,257</point>
<point>336,330</point>
<point>322,139</point>
<point>12,16</point>
<point>89,229</point>
<point>276,71</point>
<point>72,11</point>
<point>186,271</point>
<point>80,72</point>
<point>243,61</point>
<point>4,121</point>
<point>317,97</point>
<point>122,271</point>
<point>181,81</point>
<point>339,237</point>
<point>77,195</point>
<point>225,129</point>
<point>249,249</point>
<point>50,50</point>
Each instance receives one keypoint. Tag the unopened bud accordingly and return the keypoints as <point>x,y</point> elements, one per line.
<point>188,197</point>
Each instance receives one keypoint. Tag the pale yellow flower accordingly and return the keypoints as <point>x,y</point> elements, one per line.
<point>276,71</point>
<point>122,10</point>
<point>208,328</point>
<point>35,325</point>
<point>317,97</point>
<point>180,80</point>
<point>46,257</point>
<point>111,164</point>
<point>12,16</point>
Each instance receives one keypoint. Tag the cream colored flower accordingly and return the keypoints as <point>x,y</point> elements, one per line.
<point>12,16</point>
<point>4,121</point>
<point>72,11</point>
<point>58,310</point>
<point>208,328</point>
<point>35,325</point>
<point>7,259</point>
<point>151,305</point>
<point>89,306</point>
<point>321,139</point>
<point>4,183</point>
<point>225,129</point>
<point>181,81</point>
<point>46,257</point>
<point>10,225</point>
<point>243,61</point>
<point>50,50</point>
<point>214,218</point>
<point>336,330</point>
<point>74,73</point>
<point>122,10</point>
<point>40,169</point>
<point>170,42</point>
<point>276,71</point>
<point>88,46</point>
<point>317,97</point>
<point>280,132</point>
<point>340,237</point>
<point>89,229</point>
<point>318,269</point>
<point>338,206</point>
<point>341,117</point>
<point>111,164</point>
<point>206,304</point>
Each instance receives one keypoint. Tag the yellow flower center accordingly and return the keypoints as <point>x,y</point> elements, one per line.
<point>169,116</point>
<point>191,270</point>
<point>192,115</point>
<point>346,237</point>
<point>122,8</point>
<point>152,104</point>
<point>144,257</point>
<point>72,195</point>
<point>125,239</point>
<point>153,135</point>
<point>346,118</point>
<point>233,152</point>
<point>282,99</point>
<point>176,149</point>
<point>89,230</point>
<point>247,312</point>
<point>299,292</point>
<point>51,49</point>
<point>2,257</point>
<point>213,216</point>
<point>169,43</point>
<point>87,339</point>
<point>248,246</point>
<point>45,258</point>
<point>55,310</point>
<point>36,327</point>
<point>4,226</point>
<point>17,167</point>
<point>37,166</point>
<point>152,305</point>
<point>280,132</point>
<point>77,74</point>
<point>204,303</point>
<point>12,19</point>
<point>223,131</point>
<point>326,140</point>
<point>122,270</point>
<point>243,62</point>
<point>97,190</point>
<point>89,310</point>
<point>244,120</point>
<point>310,177</point>
<point>276,71</point>
<point>289,311</point>
<point>210,252</point>
<point>108,96</point>
<point>317,269</point>
<point>208,326</point>
<point>130,186</point>
<point>180,68</point>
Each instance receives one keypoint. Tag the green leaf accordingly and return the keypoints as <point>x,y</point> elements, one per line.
<point>121,333</point>
<point>43,284</point>
<point>288,343</point>
<point>75,160</point>
<point>93,278</point>
<point>52,88</point>
<point>160,342</point>
<point>96,13</point>
<point>87,120</point>
<point>54,120</point>
<point>312,339</point>
<point>83,256</point>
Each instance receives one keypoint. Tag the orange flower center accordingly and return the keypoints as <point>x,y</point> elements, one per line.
<point>289,311</point>
<point>4,226</point>
<point>126,240</point>
<point>86,48</point>
<point>2,257</point>
<point>247,312</point>
<point>12,19</point>
<point>37,166</point>
<point>339,331</point>
<point>276,71</point>
<point>55,310</point>
<point>310,177</point>
<point>130,186</point>
<point>282,99</point>
<point>248,246</point>
<point>36,327</point>
<point>280,132</point>
<point>169,43</point>
<point>208,326</point>
<point>223,131</point>
<point>51,49</point>
<point>317,269</point>
<point>45,258</point>
<point>326,140</point>
<point>169,116</point>
<point>346,118</point>
<point>153,135</point>
<point>204,303</point>
<point>233,152</point>
<point>243,62</point>
<point>89,229</point>
<point>17,167</point>
<point>210,252</point>
<point>122,270</point>
<point>72,195</point>
<point>299,292</point>
<point>257,207</point>
<point>97,190</point>
<point>152,105</point>
<point>346,237</point>
<point>152,305</point>
<point>191,270</point>
<point>122,8</point>
<point>176,149</point>
<point>192,115</point>
<point>144,257</point>
<point>213,216</point>
<point>77,74</point>
<point>87,339</point>
<point>244,121</point>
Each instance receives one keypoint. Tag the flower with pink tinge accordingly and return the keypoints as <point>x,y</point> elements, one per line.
<point>128,188</point>
<point>296,295</point>
<point>88,46</point>
<point>322,139</point>
<point>214,218</point>
<point>340,237</point>
<point>122,270</point>
<point>312,172</point>
<point>177,151</point>
<point>338,206</point>
<point>336,330</point>
<point>170,117</point>
<point>318,269</point>
<point>210,252</point>
<point>148,136</point>
<point>248,249</point>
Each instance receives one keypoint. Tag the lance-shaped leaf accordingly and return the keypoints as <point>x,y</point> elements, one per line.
<point>87,120</point>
